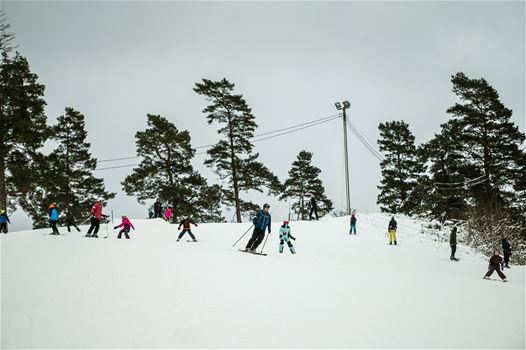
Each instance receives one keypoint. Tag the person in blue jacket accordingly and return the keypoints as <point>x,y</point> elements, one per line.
<point>261,222</point>
<point>53,219</point>
<point>4,220</point>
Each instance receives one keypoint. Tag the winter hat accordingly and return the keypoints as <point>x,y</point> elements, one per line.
<point>286,222</point>
<point>123,215</point>
<point>266,205</point>
<point>52,205</point>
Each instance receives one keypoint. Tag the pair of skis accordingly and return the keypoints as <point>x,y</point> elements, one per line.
<point>251,251</point>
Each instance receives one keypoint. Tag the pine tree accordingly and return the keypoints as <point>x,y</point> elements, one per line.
<point>490,139</point>
<point>23,128</point>
<point>165,172</point>
<point>5,36</point>
<point>304,182</point>
<point>66,174</point>
<point>401,168</point>
<point>232,158</point>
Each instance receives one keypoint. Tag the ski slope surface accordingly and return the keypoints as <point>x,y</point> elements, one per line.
<point>338,291</point>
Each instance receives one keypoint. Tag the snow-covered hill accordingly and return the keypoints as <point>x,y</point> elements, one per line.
<point>338,291</point>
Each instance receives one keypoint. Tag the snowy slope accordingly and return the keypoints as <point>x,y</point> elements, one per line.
<point>338,291</point>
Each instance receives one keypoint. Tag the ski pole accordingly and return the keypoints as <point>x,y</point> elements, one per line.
<point>265,243</point>
<point>106,221</point>
<point>243,235</point>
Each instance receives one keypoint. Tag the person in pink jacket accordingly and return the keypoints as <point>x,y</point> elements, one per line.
<point>168,214</point>
<point>126,225</point>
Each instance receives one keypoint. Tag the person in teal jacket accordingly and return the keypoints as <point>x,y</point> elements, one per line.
<point>53,219</point>
<point>4,220</point>
<point>285,236</point>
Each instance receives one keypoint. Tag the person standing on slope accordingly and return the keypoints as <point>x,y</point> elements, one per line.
<point>96,217</point>
<point>353,223</point>
<point>494,265</point>
<point>126,225</point>
<point>168,214</point>
<point>285,236</point>
<point>506,249</point>
<point>4,220</point>
<point>70,221</point>
<point>453,243</point>
<point>261,222</point>
<point>313,208</point>
<point>157,209</point>
<point>392,230</point>
<point>186,223</point>
<point>53,219</point>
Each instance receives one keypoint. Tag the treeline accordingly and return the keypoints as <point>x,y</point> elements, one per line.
<point>65,175</point>
<point>472,173</point>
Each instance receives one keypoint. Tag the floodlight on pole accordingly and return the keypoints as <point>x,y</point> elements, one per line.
<point>346,105</point>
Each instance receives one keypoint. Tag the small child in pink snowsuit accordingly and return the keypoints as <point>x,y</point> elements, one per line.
<point>168,214</point>
<point>125,224</point>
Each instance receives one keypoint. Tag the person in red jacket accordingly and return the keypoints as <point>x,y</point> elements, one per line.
<point>494,265</point>
<point>186,228</point>
<point>126,225</point>
<point>96,217</point>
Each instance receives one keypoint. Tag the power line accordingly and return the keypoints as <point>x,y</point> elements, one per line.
<point>369,147</point>
<point>118,166</point>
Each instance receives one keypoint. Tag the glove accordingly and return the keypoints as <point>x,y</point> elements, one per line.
<point>115,227</point>
<point>196,225</point>
<point>179,228</point>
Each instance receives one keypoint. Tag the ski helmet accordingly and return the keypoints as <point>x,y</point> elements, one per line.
<point>266,205</point>
<point>123,215</point>
<point>2,211</point>
<point>52,205</point>
<point>286,222</point>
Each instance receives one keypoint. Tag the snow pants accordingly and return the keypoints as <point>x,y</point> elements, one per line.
<point>315,210</point>
<point>353,227</point>
<point>506,258</point>
<point>493,269</point>
<point>392,236</point>
<point>72,224</point>
<point>184,231</point>
<point>3,227</point>
<point>125,230</point>
<point>53,224</point>
<point>256,239</point>
<point>289,243</point>
<point>453,251</point>
<point>95,225</point>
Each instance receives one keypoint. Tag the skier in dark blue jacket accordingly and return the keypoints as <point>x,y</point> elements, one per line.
<point>4,220</point>
<point>261,222</point>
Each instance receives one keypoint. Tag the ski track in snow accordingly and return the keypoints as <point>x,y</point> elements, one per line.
<point>339,291</point>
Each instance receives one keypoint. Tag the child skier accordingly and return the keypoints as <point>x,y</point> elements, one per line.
<point>4,220</point>
<point>353,223</point>
<point>168,214</point>
<point>285,236</point>
<point>125,224</point>
<point>392,230</point>
<point>70,221</point>
<point>53,219</point>
<point>186,223</point>
<point>494,265</point>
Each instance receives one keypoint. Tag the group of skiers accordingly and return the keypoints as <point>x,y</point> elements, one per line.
<point>157,210</point>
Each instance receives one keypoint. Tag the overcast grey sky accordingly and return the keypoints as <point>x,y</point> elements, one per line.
<point>117,61</point>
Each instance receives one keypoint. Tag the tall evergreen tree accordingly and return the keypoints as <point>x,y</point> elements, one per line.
<point>5,35</point>
<point>232,158</point>
<point>165,172</point>
<point>23,127</point>
<point>66,174</point>
<point>304,182</point>
<point>490,139</point>
<point>401,168</point>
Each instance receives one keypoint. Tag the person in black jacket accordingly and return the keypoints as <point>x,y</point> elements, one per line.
<point>186,223</point>
<point>494,265</point>
<point>70,221</point>
<point>261,221</point>
<point>391,228</point>
<point>453,242</point>
<point>157,209</point>
<point>506,249</point>
<point>313,208</point>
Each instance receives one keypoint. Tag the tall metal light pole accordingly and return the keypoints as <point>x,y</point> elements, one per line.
<point>343,107</point>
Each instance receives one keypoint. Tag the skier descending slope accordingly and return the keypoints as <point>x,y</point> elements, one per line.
<point>126,225</point>
<point>261,222</point>
<point>186,223</point>
<point>70,221</point>
<point>96,217</point>
<point>494,265</point>
<point>4,220</point>
<point>285,236</point>
<point>392,230</point>
<point>53,219</point>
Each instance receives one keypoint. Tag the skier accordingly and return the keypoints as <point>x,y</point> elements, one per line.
<point>168,214</point>
<point>313,208</point>
<point>261,221</point>
<point>506,249</point>
<point>70,221</point>
<point>186,223</point>
<point>285,236</point>
<point>4,220</point>
<point>392,230</point>
<point>53,219</point>
<point>150,212</point>
<point>125,224</point>
<point>353,223</point>
<point>494,265</point>
<point>453,243</point>
<point>157,209</point>
<point>96,217</point>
